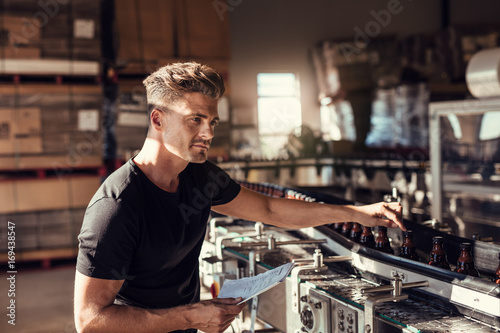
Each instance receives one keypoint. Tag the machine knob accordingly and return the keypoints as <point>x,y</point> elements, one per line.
<point>317,305</point>
<point>341,327</point>
<point>350,330</point>
<point>306,318</point>
<point>341,314</point>
<point>349,318</point>
<point>303,299</point>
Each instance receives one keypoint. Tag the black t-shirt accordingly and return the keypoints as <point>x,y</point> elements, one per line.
<point>135,231</point>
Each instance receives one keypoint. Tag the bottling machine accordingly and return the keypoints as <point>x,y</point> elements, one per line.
<point>337,285</point>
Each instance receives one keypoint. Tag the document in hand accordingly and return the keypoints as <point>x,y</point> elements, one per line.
<point>252,286</point>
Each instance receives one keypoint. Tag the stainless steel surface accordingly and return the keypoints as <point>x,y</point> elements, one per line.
<point>395,295</point>
<point>272,243</point>
<point>458,291</point>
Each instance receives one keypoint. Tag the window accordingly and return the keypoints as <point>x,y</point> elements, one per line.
<point>279,110</point>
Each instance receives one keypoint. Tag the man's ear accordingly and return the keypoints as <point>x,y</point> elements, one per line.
<point>156,119</point>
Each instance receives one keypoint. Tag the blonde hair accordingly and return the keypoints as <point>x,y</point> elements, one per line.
<point>169,83</point>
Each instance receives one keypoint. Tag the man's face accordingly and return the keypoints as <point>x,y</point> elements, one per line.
<point>189,127</point>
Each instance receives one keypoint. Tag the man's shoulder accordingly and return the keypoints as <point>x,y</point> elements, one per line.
<point>120,184</point>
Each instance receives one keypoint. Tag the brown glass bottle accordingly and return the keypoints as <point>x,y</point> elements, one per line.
<point>497,273</point>
<point>346,229</point>
<point>408,248</point>
<point>367,239</point>
<point>338,227</point>
<point>465,263</point>
<point>355,232</point>
<point>437,256</point>
<point>382,242</point>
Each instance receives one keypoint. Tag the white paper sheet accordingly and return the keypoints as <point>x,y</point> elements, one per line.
<point>252,286</point>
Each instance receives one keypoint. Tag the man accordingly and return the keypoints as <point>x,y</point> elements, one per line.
<point>137,268</point>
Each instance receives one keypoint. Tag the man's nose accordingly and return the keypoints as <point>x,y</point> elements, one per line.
<point>207,132</point>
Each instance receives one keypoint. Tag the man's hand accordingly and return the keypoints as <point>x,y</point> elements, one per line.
<point>296,214</point>
<point>215,315</point>
<point>387,214</point>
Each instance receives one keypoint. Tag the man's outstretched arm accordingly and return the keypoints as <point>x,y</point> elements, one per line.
<point>95,312</point>
<point>253,206</point>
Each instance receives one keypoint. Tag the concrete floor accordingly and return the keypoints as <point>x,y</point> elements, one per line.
<point>44,301</point>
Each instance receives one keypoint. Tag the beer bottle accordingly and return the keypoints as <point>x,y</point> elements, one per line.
<point>382,242</point>
<point>355,232</point>
<point>408,249</point>
<point>497,273</point>
<point>338,226</point>
<point>346,229</point>
<point>465,263</point>
<point>437,257</point>
<point>367,239</point>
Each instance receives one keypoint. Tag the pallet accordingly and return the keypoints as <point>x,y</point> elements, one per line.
<point>49,79</point>
<point>24,88</point>
<point>49,163</point>
<point>49,67</point>
<point>42,173</point>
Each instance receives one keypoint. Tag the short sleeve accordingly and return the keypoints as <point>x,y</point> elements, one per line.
<point>226,189</point>
<point>107,240</point>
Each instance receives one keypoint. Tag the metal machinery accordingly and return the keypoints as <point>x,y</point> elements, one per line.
<point>340,286</point>
<point>337,285</point>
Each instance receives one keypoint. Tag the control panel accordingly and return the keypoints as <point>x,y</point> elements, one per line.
<point>345,318</point>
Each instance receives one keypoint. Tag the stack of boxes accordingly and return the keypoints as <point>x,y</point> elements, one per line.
<point>50,120</point>
<point>51,29</point>
<point>152,33</point>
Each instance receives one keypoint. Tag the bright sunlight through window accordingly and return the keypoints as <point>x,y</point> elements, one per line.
<point>278,110</point>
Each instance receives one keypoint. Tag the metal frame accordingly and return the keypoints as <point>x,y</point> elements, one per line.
<point>436,111</point>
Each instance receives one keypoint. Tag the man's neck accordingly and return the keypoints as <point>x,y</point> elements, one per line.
<point>160,166</point>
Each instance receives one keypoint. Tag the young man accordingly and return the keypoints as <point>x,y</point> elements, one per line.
<point>137,268</point>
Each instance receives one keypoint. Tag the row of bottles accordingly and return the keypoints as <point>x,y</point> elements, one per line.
<point>364,236</point>
<point>292,194</point>
<point>437,256</point>
<point>265,188</point>
<point>276,191</point>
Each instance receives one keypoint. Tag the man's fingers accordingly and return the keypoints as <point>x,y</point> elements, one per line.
<point>393,211</point>
<point>227,300</point>
<point>230,305</point>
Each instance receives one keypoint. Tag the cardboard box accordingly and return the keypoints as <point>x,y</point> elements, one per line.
<point>6,131</point>
<point>145,30</point>
<point>29,195</point>
<point>28,145</point>
<point>82,189</point>
<point>22,30</point>
<point>20,52</point>
<point>20,130</point>
<point>7,202</point>
<point>41,194</point>
<point>51,119</point>
<point>28,121</point>
<point>202,33</point>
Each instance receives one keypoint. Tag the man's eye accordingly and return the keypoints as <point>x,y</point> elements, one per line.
<point>215,123</point>
<point>197,119</point>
